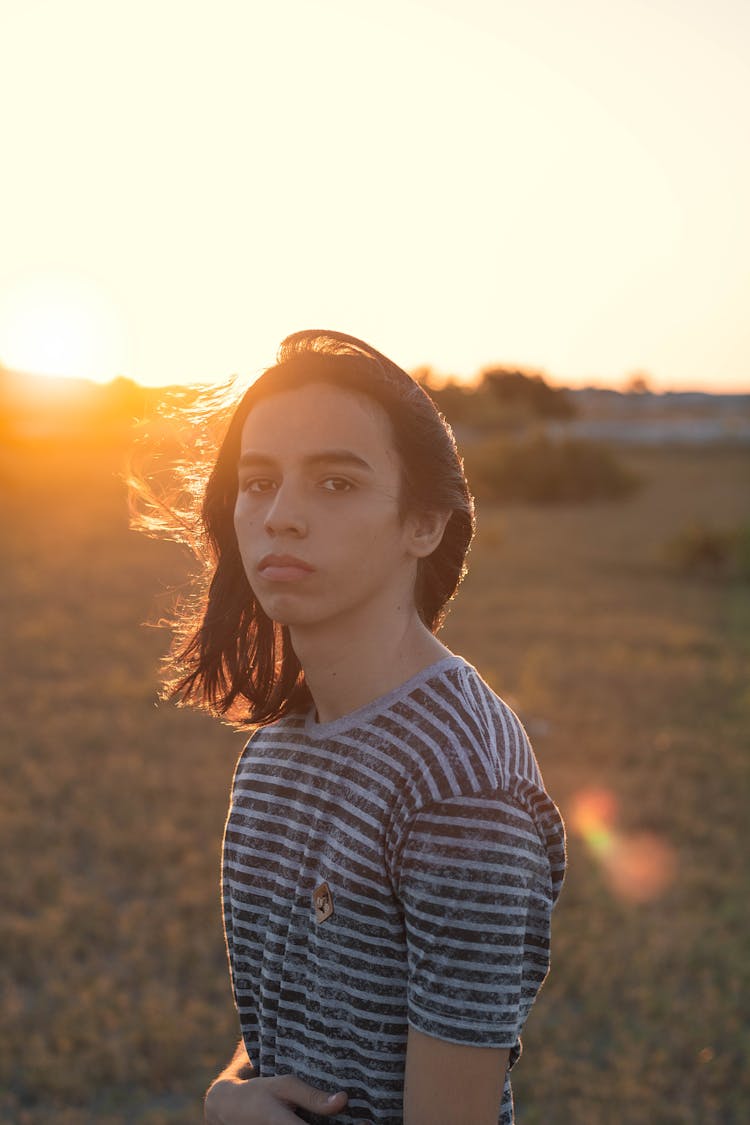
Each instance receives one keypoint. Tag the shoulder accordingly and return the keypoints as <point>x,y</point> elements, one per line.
<point>467,755</point>
<point>465,733</point>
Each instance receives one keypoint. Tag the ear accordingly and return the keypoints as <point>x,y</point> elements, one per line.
<point>425,531</point>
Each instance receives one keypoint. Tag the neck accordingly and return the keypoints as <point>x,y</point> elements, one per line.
<point>349,664</point>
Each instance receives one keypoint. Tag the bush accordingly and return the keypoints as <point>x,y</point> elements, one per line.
<point>502,403</point>
<point>531,391</point>
<point>710,552</point>
<point>538,470</point>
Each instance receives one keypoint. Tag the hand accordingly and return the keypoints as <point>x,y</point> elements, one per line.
<point>267,1101</point>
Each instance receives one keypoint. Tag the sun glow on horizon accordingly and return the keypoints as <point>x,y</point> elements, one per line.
<point>60,325</point>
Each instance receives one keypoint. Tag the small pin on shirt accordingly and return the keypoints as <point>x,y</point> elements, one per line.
<point>323,902</point>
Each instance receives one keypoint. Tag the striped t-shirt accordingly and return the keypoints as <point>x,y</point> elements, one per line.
<point>396,865</point>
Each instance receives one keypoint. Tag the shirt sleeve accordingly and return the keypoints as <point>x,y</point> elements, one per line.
<point>475,886</point>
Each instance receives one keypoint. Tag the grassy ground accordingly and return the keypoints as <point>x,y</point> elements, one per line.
<point>115,998</point>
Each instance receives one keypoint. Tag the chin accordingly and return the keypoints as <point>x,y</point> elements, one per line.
<point>287,614</point>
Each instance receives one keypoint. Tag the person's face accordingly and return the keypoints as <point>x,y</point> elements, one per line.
<point>317,515</point>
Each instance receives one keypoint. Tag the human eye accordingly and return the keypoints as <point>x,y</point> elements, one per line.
<point>257,484</point>
<point>337,484</point>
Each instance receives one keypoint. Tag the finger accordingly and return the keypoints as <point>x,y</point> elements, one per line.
<point>333,1103</point>
<point>298,1093</point>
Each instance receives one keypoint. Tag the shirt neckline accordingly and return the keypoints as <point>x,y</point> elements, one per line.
<point>375,706</point>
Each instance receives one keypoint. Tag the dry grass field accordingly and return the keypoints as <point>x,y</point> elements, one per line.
<point>632,680</point>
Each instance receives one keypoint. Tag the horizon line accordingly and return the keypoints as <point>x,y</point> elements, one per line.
<point>468,382</point>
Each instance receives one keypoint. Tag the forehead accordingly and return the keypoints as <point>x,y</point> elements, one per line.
<point>308,420</point>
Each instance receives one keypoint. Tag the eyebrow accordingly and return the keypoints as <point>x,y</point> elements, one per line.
<point>325,457</point>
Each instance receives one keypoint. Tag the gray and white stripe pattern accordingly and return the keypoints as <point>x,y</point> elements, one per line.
<point>425,815</point>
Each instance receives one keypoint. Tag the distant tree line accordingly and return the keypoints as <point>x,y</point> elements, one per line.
<point>514,387</point>
<point>502,399</point>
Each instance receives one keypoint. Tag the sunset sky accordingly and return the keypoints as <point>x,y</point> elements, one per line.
<point>460,182</point>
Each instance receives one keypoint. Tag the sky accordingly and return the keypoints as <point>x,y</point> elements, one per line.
<point>461,183</point>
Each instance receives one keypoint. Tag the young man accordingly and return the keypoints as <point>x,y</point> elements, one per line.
<point>391,857</point>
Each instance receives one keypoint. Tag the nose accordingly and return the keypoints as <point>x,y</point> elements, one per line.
<point>285,516</point>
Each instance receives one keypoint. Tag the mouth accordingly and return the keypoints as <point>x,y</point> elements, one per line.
<point>283,568</point>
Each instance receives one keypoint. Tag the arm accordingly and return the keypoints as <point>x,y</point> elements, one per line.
<point>452,1084</point>
<point>473,880</point>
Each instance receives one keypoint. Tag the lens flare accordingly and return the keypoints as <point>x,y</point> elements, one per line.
<point>594,812</point>
<point>638,866</point>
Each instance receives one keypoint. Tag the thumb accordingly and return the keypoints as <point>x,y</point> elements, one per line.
<point>292,1089</point>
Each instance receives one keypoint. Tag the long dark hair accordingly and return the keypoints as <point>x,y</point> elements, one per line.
<point>227,655</point>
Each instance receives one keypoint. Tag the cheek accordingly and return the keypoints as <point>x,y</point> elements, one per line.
<point>378,545</point>
<point>238,525</point>
<point>245,537</point>
<point>244,519</point>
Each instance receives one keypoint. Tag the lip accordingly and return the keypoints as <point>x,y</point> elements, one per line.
<point>283,568</point>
